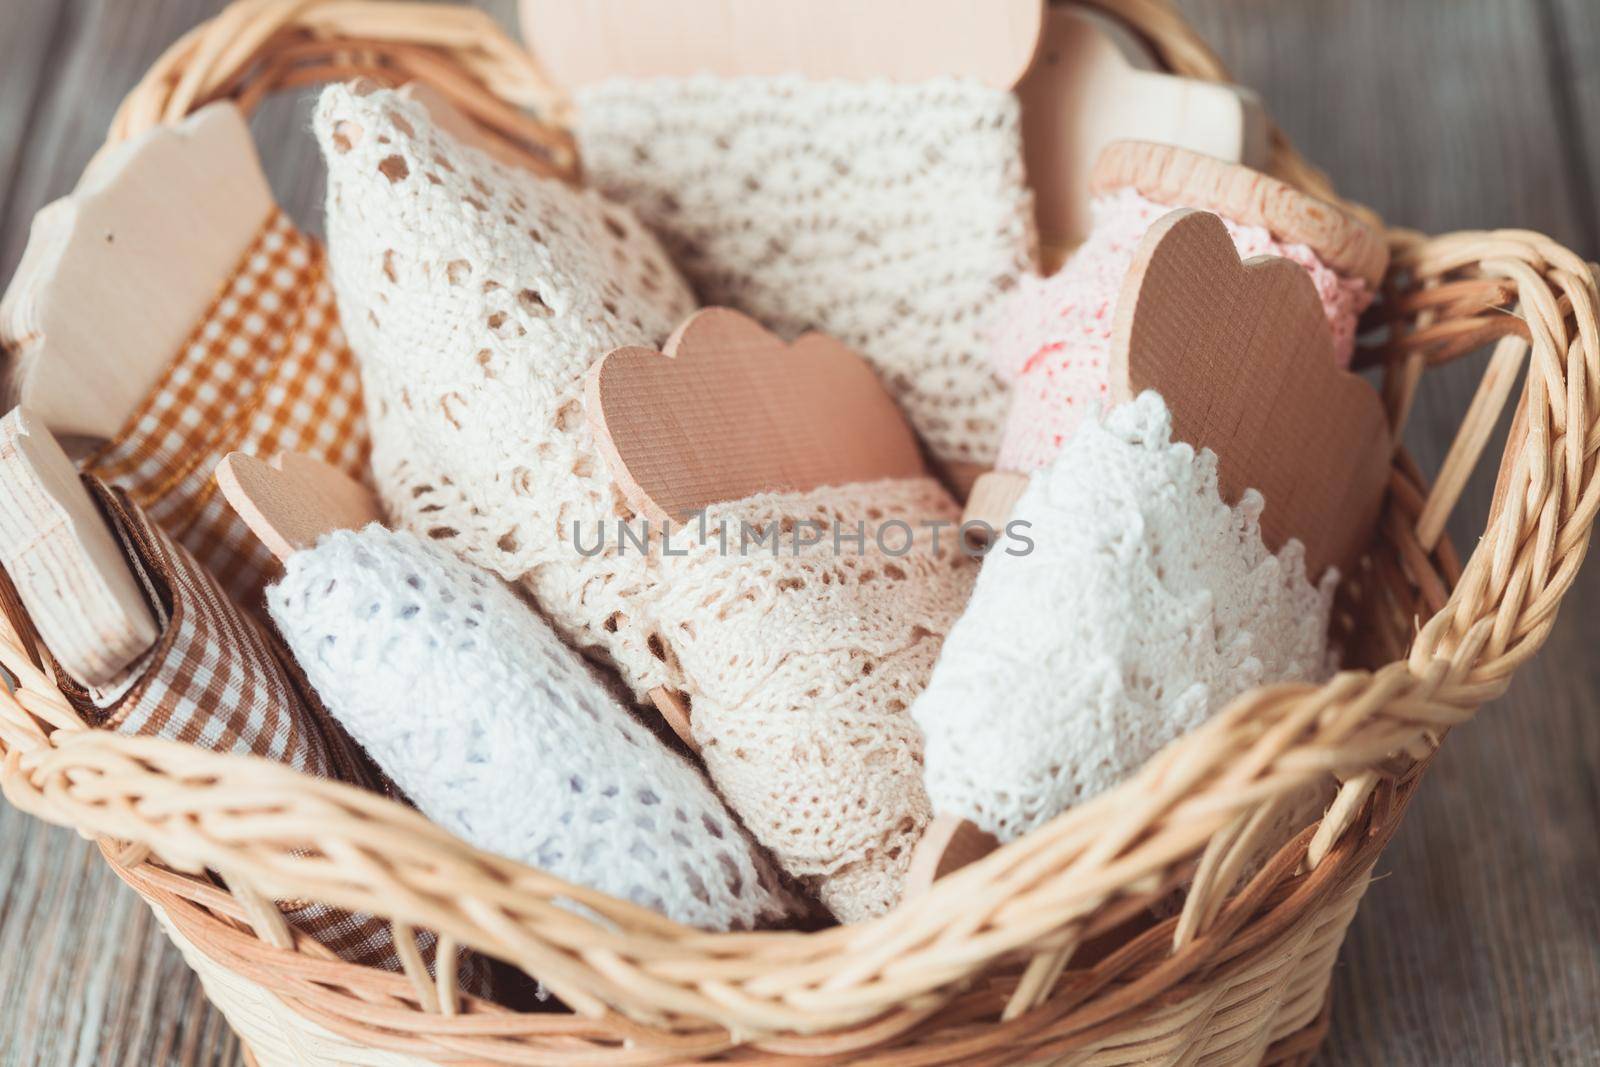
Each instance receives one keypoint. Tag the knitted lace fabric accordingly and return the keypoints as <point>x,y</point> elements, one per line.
<point>476,296</point>
<point>1052,336</point>
<point>1146,605</point>
<point>803,661</point>
<point>889,216</point>
<point>481,444</point>
<point>502,735</point>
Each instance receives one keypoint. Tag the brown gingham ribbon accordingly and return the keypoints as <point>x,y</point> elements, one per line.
<point>266,370</point>
<point>219,680</point>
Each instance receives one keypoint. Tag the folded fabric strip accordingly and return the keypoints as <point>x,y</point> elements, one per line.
<point>265,370</point>
<point>503,736</point>
<point>1145,606</point>
<point>891,216</point>
<point>476,297</point>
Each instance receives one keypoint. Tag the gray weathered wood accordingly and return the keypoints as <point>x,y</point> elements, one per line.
<point>1480,947</point>
<point>86,975</point>
<point>32,31</point>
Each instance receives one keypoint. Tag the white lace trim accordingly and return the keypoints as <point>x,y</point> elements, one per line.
<point>500,734</point>
<point>890,216</point>
<point>803,666</point>
<point>1146,605</point>
<point>476,297</point>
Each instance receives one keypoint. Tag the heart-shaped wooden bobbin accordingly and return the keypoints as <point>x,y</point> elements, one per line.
<point>292,501</point>
<point>1242,353</point>
<point>730,410</point>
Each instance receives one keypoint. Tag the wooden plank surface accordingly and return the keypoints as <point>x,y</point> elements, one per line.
<point>1482,943</point>
<point>1480,946</point>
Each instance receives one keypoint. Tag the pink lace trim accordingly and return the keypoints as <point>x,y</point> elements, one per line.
<point>1051,337</point>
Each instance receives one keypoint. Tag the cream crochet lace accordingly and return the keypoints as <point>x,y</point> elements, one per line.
<point>804,662</point>
<point>1146,605</point>
<point>501,734</point>
<point>476,299</point>
<point>890,216</point>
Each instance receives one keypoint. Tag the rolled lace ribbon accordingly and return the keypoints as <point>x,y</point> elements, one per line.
<point>802,660</point>
<point>889,215</point>
<point>476,298</point>
<point>502,735</point>
<point>1051,337</point>
<point>1147,604</point>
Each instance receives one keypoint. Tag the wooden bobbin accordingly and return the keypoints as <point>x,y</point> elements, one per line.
<point>993,498</point>
<point>1184,179</point>
<point>292,500</point>
<point>1092,84</point>
<point>1247,370</point>
<point>898,40</point>
<point>68,569</point>
<point>786,416</point>
<point>1242,354</point>
<point>116,275</point>
<point>947,845</point>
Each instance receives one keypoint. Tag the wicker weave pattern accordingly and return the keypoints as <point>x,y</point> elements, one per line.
<point>1022,956</point>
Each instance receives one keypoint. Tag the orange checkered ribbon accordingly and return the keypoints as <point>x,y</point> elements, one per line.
<point>266,370</point>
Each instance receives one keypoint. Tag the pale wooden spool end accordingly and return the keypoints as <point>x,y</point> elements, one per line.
<point>1093,83</point>
<point>674,710</point>
<point>116,274</point>
<point>947,845</point>
<point>959,476</point>
<point>294,500</point>
<point>69,571</point>
<point>582,43</point>
<point>994,496</point>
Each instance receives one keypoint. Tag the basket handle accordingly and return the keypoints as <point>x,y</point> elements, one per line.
<point>256,47</point>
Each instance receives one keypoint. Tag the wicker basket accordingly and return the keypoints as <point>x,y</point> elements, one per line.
<point>1030,955</point>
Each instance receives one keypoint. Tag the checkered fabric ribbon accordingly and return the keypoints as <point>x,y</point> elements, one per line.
<point>266,370</point>
<point>218,680</point>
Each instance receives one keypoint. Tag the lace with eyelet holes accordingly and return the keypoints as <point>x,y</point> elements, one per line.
<point>502,735</point>
<point>481,445</point>
<point>889,216</point>
<point>476,296</point>
<point>1144,607</point>
<point>803,661</point>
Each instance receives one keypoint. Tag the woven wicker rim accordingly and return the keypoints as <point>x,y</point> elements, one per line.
<point>254,48</point>
<point>997,938</point>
